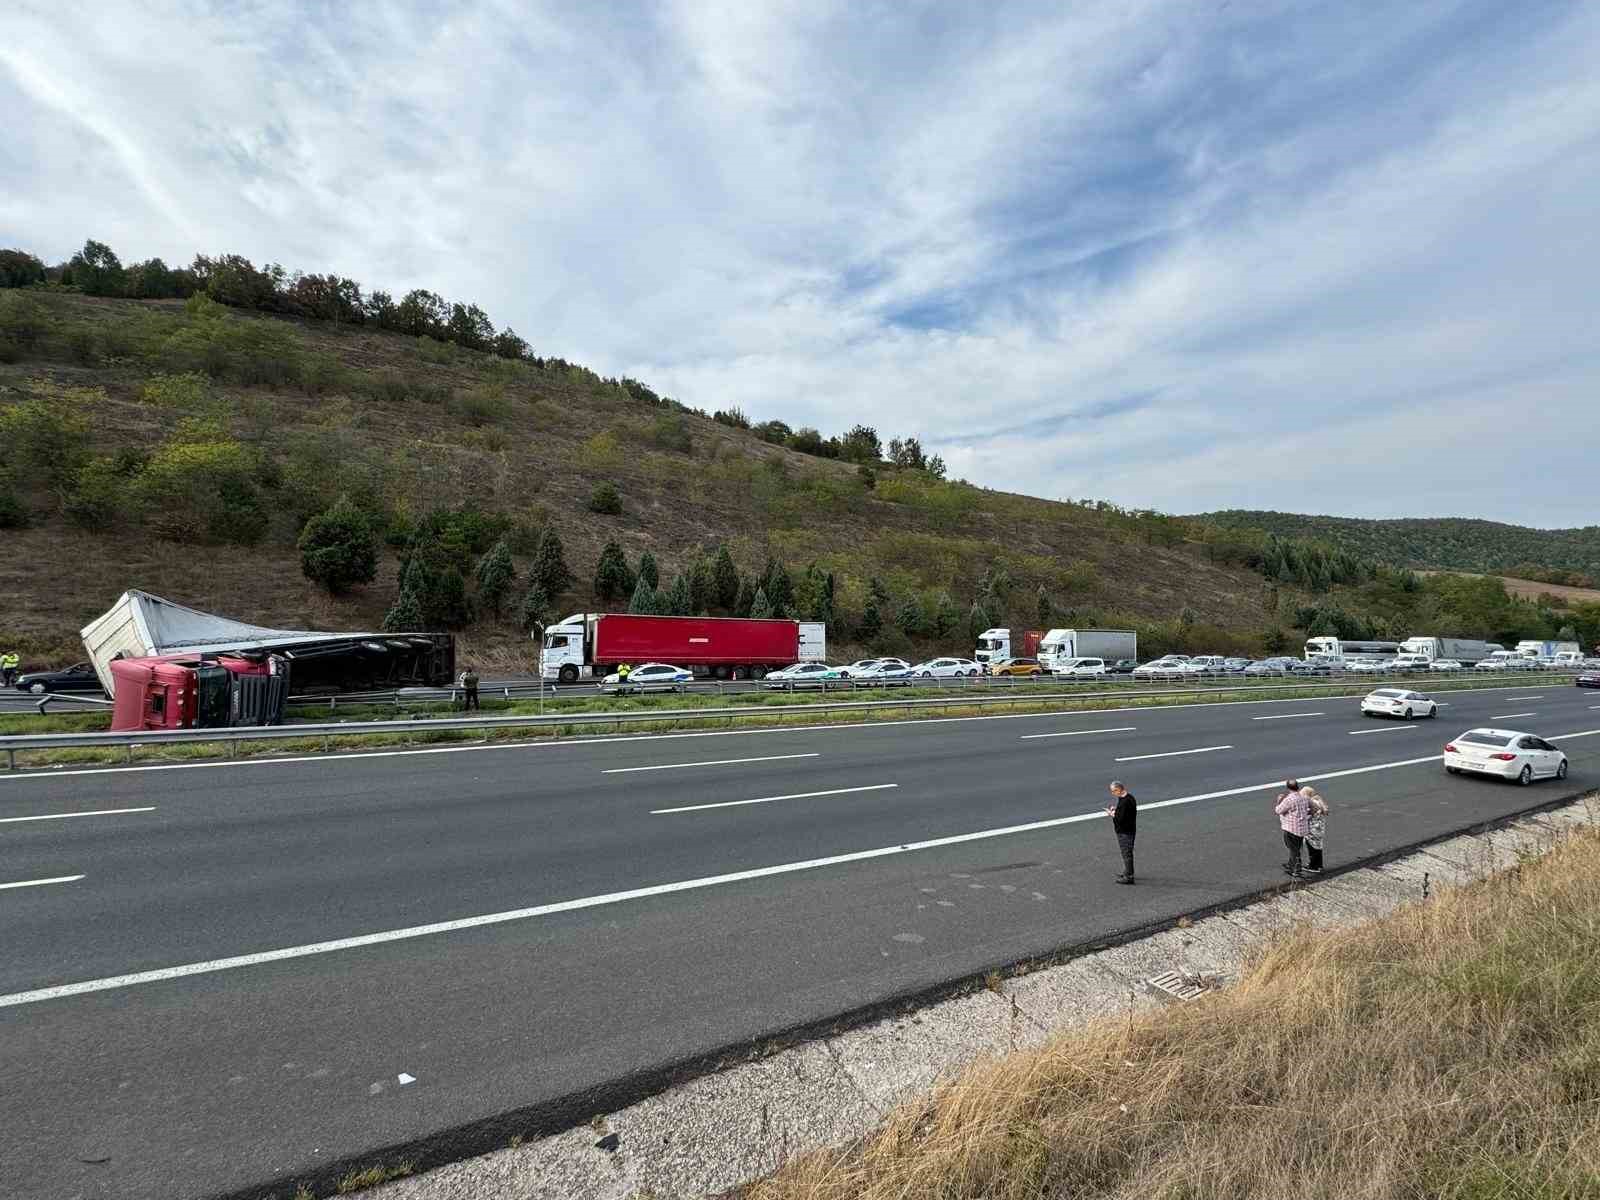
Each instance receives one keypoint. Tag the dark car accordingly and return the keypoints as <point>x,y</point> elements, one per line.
<point>1588,679</point>
<point>79,677</point>
<point>1123,666</point>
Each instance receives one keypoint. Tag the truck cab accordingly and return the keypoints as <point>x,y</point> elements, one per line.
<point>561,654</point>
<point>993,645</point>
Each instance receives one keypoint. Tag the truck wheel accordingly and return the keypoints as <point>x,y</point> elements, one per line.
<point>758,672</point>
<point>741,672</point>
<point>569,674</point>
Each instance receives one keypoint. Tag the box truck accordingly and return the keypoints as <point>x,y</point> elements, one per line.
<point>592,645</point>
<point>1465,651</point>
<point>996,644</point>
<point>1536,649</point>
<point>1060,645</point>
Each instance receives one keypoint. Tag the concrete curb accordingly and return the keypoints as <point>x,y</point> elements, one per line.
<point>710,1134</point>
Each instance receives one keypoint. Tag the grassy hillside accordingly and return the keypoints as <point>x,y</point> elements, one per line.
<point>180,447</point>
<point>1560,556</point>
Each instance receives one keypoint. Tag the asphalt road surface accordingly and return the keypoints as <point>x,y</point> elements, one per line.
<point>218,976</point>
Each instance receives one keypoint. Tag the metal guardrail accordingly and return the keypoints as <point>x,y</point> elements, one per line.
<point>13,743</point>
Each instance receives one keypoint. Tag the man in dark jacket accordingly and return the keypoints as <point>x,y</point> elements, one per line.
<point>1124,816</point>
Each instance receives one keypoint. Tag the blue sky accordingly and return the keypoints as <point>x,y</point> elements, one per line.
<point>1316,257</point>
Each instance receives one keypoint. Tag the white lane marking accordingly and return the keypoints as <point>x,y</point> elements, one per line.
<point>1383,729</point>
<point>1028,737</point>
<point>875,787</point>
<point>1288,716</point>
<point>1508,716</point>
<point>41,882</point>
<point>561,743</point>
<point>716,762</point>
<point>99,812</point>
<point>161,974</point>
<point>1173,753</point>
<point>1540,696</point>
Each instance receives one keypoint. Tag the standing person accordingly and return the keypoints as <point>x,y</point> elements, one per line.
<point>1316,829</point>
<point>1124,816</point>
<point>1294,817</point>
<point>469,686</point>
<point>9,662</point>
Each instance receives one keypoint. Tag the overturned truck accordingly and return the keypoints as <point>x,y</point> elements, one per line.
<point>167,666</point>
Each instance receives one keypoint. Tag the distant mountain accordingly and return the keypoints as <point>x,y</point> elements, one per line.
<point>1452,543</point>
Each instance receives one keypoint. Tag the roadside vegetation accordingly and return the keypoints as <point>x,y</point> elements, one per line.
<point>1449,1051</point>
<point>305,451</point>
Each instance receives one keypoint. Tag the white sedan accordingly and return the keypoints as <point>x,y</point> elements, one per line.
<point>1398,702</point>
<point>648,677</point>
<point>1506,754</point>
<point>1167,668</point>
<point>1445,664</point>
<point>885,671</point>
<point>946,668</point>
<point>806,674</point>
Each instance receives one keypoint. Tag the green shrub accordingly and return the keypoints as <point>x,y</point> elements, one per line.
<point>13,513</point>
<point>482,405</point>
<point>338,548</point>
<point>601,452</point>
<point>606,499</point>
<point>44,438</point>
<point>199,491</point>
<point>189,390</point>
<point>98,494</point>
<point>671,432</point>
<point>22,320</point>
<point>387,387</point>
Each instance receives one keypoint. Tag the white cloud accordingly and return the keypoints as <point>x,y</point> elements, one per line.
<point>1259,242</point>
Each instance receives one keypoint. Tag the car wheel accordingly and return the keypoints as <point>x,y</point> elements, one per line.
<point>927,675</point>
<point>38,689</point>
<point>1451,771</point>
<point>1526,776</point>
<point>1561,769</point>
<point>1408,714</point>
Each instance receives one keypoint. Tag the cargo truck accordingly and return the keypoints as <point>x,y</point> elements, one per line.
<point>1465,651</point>
<point>996,644</point>
<point>1536,649</point>
<point>1060,645</point>
<point>1332,649</point>
<point>592,645</point>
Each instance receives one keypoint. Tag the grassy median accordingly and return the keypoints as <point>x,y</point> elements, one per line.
<point>1450,1051</point>
<point>700,711</point>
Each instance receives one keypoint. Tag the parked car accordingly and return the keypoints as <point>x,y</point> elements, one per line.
<point>1313,666</point>
<point>1506,754</point>
<point>648,677</point>
<point>885,672</point>
<point>1235,666</point>
<point>807,674</point>
<point>1208,664</point>
<point>79,677</point>
<point>1016,666</point>
<point>1082,668</point>
<point>861,664</point>
<point>1445,664</point>
<point>1367,666</point>
<point>1269,666</point>
<point>1398,702</point>
<point>1172,667</point>
<point>1123,666</point>
<point>946,668</point>
<point>1589,679</point>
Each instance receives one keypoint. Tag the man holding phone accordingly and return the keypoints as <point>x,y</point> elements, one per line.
<point>1124,816</point>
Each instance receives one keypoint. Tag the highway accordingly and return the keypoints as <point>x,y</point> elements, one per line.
<point>219,976</point>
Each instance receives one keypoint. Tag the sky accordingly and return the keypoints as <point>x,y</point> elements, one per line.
<point>1313,257</point>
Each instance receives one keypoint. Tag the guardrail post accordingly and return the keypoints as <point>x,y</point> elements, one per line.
<point>11,760</point>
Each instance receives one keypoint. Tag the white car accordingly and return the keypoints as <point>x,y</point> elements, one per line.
<point>1173,667</point>
<point>1082,668</point>
<point>1445,664</point>
<point>1210,664</point>
<point>946,668</point>
<point>1505,753</point>
<point>1368,666</point>
<point>883,672</point>
<point>806,674</point>
<point>648,677</point>
<point>1398,702</point>
<point>861,664</point>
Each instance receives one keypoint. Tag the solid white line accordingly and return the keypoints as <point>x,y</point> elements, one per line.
<point>1540,696</point>
<point>561,743</point>
<point>1173,753</point>
<point>39,882</point>
<point>160,974</point>
<point>1288,716</point>
<point>99,812</point>
<point>716,762</point>
<point>1028,737</point>
<point>1382,729</point>
<point>875,787</point>
<point>1508,716</point>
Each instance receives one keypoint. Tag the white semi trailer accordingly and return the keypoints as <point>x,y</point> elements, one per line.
<point>1465,651</point>
<point>1059,645</point>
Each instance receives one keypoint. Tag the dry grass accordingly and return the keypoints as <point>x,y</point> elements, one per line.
<point>1450,1051</point>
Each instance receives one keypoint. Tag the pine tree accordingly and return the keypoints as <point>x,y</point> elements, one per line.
<point>725,592</point>
<point>613,578</point>
<point>702,584</point>
<point>779,588</point>
<point>496,573</point>
<point>760,607</point>
<point>644,602</point>
<point>747,598</point>
<point>404,616</point>
<point>535,612</point>
<point>338,548</point>
<point>550,570</point>
<point>648,571</point>
<point>871,621</point>
<point>677,602</point>
<point>1043,607</point>
<point>909,618</point>
<point>977,620</point>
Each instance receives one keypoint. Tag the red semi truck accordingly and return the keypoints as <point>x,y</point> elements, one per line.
<point>588,645</point>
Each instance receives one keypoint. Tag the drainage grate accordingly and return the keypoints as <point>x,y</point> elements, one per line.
<point>1177,987</point>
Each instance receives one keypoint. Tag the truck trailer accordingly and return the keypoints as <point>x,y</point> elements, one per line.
<point>592,645</point>
<point>1537,649</point>
<point>1338,649</point>
<point>1060,645</point>
<point>1465,651</point>
<point>997,644</point>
